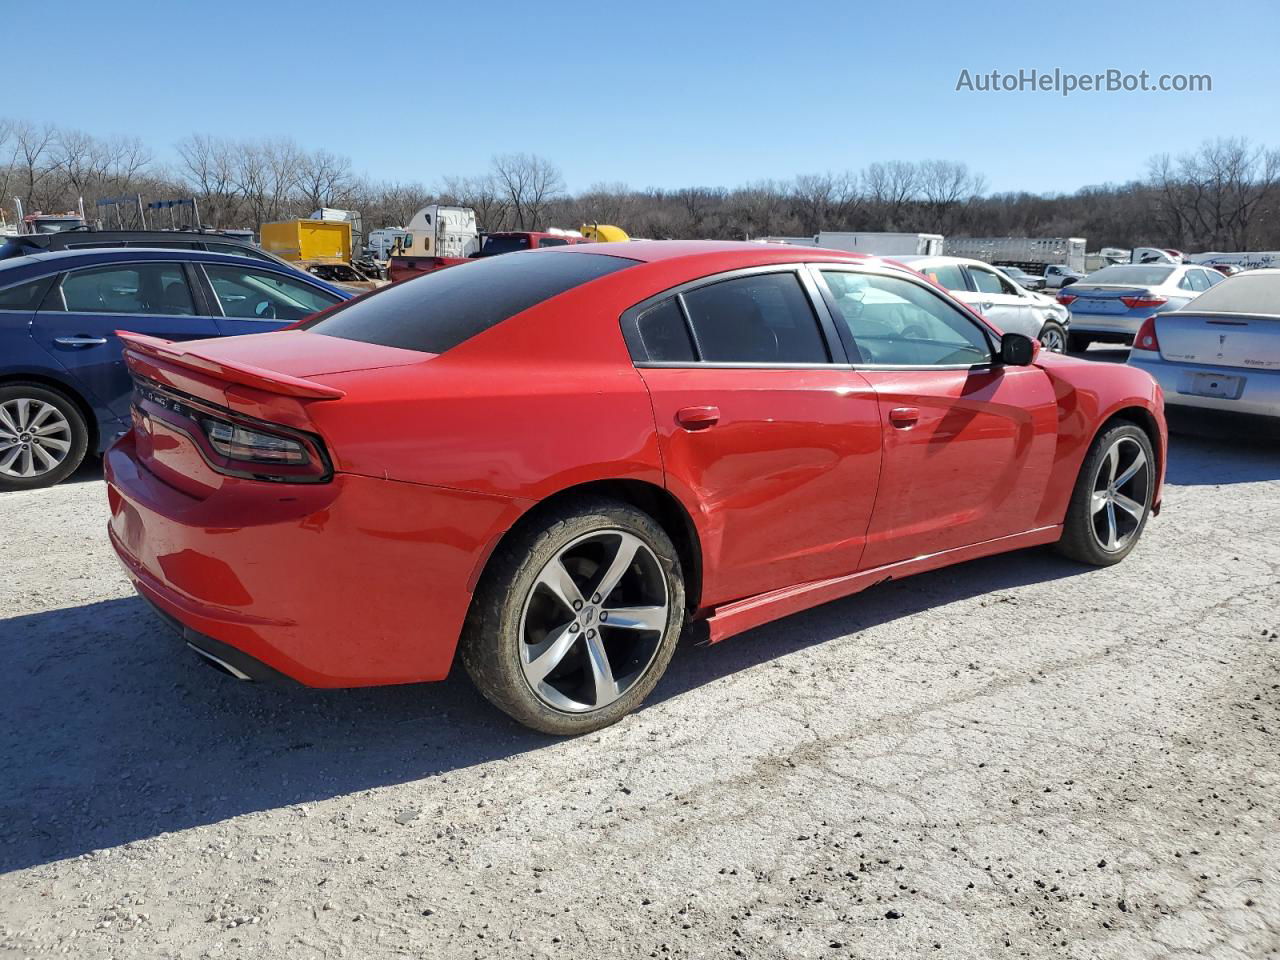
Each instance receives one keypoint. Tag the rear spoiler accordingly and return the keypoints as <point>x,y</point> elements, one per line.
<point>268,381</point>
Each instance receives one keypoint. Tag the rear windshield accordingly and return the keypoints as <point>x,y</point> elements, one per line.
<point>440,310</point>
<point>493,246</point>
<point>1245,293</point>
<point>1124,273</point>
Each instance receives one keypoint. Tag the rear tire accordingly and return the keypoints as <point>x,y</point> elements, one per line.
<point>576,617</point>
<point>43,436</point>
<point>1112,497</point>
<point>1077,343</point>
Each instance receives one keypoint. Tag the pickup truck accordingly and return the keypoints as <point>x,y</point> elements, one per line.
<point>1058,276</point>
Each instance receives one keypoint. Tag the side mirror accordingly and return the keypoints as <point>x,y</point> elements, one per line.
<point>1017,350</point>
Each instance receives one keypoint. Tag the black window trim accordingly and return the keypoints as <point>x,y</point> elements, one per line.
<point>63,274</point>
<point>993,341</point>
<point>630,317</point>
<point>199,266</point>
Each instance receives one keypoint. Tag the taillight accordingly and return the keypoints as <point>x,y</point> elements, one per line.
<point>1144,300</point>
<point>232,443</point>
<point>1066,299</point>
<point>1146,338</point>
<point>236,442</point>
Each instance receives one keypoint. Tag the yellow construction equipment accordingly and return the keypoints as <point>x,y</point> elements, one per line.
<point>603,233</point>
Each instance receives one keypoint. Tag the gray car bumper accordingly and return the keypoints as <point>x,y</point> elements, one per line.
<point>1255,392</point>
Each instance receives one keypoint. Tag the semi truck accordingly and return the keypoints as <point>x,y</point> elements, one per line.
<point>1032,254</point>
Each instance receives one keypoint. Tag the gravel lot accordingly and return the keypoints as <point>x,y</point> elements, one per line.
<point>1016,757</point>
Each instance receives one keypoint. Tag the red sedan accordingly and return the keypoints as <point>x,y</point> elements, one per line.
<point>551,462</point>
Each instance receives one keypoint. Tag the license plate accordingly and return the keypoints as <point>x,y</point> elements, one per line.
<point>1087,305</point>
<point>1212,385</point>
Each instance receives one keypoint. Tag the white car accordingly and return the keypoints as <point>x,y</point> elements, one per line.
<point>991,292</point>
<point>1222,350</point>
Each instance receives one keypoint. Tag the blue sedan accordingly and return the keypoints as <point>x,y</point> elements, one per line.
<point>64,389</point>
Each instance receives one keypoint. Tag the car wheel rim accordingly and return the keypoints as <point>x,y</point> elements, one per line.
<point>34,438</point>
<point>1052,341</point>
<point>1121,489</point>
<point>592,623</point>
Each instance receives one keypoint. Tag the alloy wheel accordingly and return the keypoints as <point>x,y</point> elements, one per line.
<point>1121,489</point>
<point>35,437</point>
<point>593,621</point>
<point>1052,340</point>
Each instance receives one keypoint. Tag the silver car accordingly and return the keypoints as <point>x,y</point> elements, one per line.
<point>1222,350</point>
<point>992,293</point>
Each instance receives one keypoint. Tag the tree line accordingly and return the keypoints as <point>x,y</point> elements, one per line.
<point>1222,195</point>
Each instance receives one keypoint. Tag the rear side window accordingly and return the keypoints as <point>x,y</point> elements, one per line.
<point>764,318</point>
<point>664,333</point>
<point>142,288</point>
<point>436,312</point>
<point>24,296</point>
<point>946,275</point>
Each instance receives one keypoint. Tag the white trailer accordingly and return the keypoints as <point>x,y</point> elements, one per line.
<point>876,244</point>
<point>1246,260</point>
<point>1032,254</point>
<point>383,240</point>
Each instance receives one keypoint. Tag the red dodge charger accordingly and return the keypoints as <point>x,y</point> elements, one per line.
<point>551,462</point>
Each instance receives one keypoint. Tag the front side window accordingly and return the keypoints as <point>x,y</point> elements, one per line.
<point>988,282</point>
<point>894,321</point>
<point>763,318</point>
<point>138,288</point>
<point>261,295</point>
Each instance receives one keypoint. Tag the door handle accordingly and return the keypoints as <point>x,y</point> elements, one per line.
<point>80,341</point>
<point>698,418</point>
<point>904,417</point>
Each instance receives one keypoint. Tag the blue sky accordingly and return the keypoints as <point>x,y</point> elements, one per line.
<point>655,93</point>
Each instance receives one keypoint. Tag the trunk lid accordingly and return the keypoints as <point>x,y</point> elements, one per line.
<point>1104,297</point>
<point>1220,340</point>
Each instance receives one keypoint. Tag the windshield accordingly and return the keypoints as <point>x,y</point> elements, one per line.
<point>437,311</point>
<point>1245,293</point>
<point>1141,276</point>
<point>503,244</point>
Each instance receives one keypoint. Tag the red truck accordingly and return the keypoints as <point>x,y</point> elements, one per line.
<point>402,267</point>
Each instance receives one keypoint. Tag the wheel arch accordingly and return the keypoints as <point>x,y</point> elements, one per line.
<point>68,391</point>
<point>654,500</point>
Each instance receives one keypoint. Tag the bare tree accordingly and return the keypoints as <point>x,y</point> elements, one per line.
<point>945,185</point>
<point>208,169</point>
<point>530,184</point>
<point>324,179</point>
<point>825,201</point>
<point>486,196</point>
<point>891,187</point>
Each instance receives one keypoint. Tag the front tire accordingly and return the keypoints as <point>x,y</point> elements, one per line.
<point>1112,497</point>
<point>43,436</point>
<point>576,617</point>
<point>1053,337</point>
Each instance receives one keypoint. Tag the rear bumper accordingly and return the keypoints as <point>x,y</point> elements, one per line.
<point>1122,327</point>
<point>355,582</point>
<point>1259,395</point>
